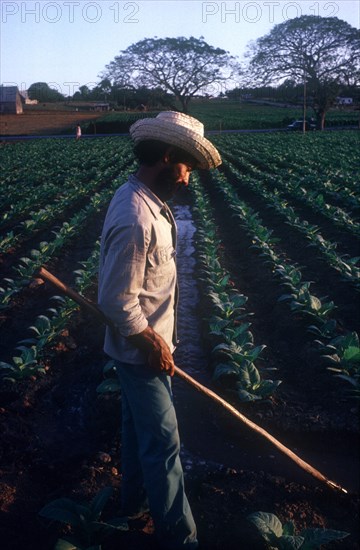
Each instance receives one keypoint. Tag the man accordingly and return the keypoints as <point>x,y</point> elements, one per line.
<point>138,291</point>
<point>78,132</point>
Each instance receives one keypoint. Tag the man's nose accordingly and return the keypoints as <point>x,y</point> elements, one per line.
<point>186,179</point>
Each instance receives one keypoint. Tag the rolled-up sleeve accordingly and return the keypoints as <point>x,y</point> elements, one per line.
<point>122,270</point>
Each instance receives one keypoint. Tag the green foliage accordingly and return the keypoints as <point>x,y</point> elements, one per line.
<point>343,354</point>
<point>240,366</point>
<point>24,365</point>
<point>111,383</point>
<point>228,306</point>
<point>325,330</point>
<point>301,300</point>
<point>323,50</point>
<point>88,531</point>
<point>219,115</point>
<point>279,168</point>
<point>181,66</point>
<point>234,356</point>
<point>43,93</point>
<point>43,330</point>
<point>344,351</point>
<point>7,292</point>
<point>284,537</point>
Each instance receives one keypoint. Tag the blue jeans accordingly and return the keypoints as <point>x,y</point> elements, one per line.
<point>151,466</point>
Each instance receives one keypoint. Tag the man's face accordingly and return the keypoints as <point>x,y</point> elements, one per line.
<point>170,178</point>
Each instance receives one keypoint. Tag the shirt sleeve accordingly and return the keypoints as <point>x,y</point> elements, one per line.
<point>122,271</point>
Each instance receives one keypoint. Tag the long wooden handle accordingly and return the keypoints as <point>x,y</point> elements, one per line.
<point>258,429</point>
<point>92,308</point>
<point>71,293</point>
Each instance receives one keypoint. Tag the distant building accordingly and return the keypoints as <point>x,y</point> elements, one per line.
<point>25,98</point>
<point>90,106</point>
<point>10,100</point>
<point>344,100</point>
<point>100,107</point>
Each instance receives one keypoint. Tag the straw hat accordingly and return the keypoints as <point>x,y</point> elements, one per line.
<point>180,130</point>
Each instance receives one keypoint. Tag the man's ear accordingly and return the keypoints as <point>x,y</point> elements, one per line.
<point>167,157</point>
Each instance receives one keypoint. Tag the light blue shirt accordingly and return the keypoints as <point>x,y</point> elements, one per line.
<point>137,274</point>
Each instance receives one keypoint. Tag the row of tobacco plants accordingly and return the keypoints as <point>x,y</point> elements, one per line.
<point>79,181</point>
<point>228,322</point>
<point>284,178</point>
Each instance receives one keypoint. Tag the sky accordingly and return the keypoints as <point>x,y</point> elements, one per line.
<point>68,43</point>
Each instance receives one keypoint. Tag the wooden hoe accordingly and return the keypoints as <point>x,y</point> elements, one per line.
<point>92,308</point>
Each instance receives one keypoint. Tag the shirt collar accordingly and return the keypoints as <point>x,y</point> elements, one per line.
<point>153,201</point>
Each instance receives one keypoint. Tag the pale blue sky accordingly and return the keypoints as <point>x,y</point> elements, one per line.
<point>67,43</point>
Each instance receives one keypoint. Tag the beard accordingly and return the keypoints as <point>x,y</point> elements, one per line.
<point>166,183</point>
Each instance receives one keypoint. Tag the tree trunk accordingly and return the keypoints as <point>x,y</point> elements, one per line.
<point>322,120</point>
<point>184,100</point>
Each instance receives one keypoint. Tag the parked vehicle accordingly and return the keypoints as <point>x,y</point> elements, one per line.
<point>298,125</point>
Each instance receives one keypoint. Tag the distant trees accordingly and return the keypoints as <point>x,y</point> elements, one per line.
<point>141,98</point>
<point>308,58</point>
<point>321,53</point>
<point>180,66</point>
<point>42,92</point>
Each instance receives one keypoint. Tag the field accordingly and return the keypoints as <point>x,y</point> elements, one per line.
<point>229,115</point>
<point>62,118</point>
<point>43,122</point>
<point>269,284</point>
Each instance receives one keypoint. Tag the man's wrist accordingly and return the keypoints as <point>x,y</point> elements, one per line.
<point>147,340</point>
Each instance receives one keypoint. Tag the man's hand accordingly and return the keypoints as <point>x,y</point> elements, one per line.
<point>159,354</point>
<point>161,359</point>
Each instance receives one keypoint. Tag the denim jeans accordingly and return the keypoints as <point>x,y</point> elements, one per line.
<point>151,466</point>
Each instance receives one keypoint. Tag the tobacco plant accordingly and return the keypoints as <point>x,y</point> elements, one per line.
<point>343,354</point>
<point>110,384</point>
<point>237,362</point>
<point>47,328</point>
<point>301,300</point>
<point>235,353</point>
<point>88,531</point>
<point>46,250</point>
<point>302,172</point>
<point>24,365</point>
<point>347,267</point>
<point>284,537</point>
<point>64,175</point>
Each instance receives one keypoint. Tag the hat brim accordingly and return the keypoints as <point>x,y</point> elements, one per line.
<point>192,142</point>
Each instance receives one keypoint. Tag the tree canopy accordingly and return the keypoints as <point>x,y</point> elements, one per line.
<point>323,53</point>
<point>180,66</point>
<point>42,92</point>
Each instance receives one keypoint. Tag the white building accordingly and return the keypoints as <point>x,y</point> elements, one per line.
<point>344,100</point>
<point>10,100</point>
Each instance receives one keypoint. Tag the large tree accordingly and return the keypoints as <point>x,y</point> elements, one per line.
<point>321,53</point>
<point>42,92</point>
<point>182,66</point>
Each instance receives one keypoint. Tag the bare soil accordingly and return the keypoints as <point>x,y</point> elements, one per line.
<point>33,123</point>
<point>61,439</point>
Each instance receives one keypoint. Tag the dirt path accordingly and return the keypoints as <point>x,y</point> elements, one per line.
<point>43,122</point>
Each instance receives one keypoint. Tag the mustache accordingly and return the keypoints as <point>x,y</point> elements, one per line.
<point>166,183</point>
